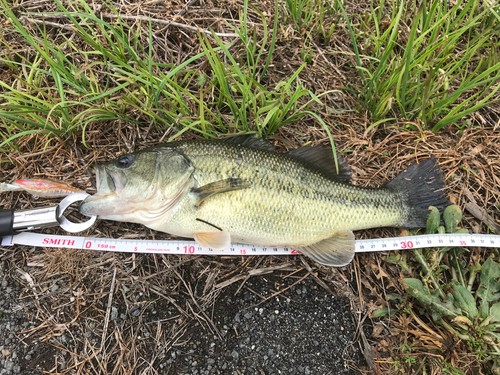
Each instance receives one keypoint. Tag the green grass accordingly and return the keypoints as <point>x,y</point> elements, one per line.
<point>71,85</point>
<point>252,106</point>
<point>314,19</point>
<point>444,68</point>
<point>302,12</point>
<point>436,64</point>
<point>115,79</point>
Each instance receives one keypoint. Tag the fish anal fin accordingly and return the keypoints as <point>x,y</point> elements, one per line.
<point>321,158</point>
<point>217,187</point>
<point>335,251</point>
<point>214,240</point>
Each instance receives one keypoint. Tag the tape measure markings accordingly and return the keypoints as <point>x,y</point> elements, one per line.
<point>191,247</point>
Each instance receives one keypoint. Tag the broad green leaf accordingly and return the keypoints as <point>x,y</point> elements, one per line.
<point>465,301</point>
<point>462,320</point>
<point>393,297</point>
<point>433,221</point>
<point>495,312</point>
<point>452,216</point>
<point>489,287</point>
<point>393,257</point>
<point>492,327</point>
<point>437,308</point>
<point>384,311</point>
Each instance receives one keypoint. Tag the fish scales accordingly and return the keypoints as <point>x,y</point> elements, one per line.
<point>241,191</point>
<point>287,200</point>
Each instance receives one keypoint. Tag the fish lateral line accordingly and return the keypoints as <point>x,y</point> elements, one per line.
<point>212,225</point>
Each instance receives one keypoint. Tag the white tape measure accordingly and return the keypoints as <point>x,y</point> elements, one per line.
<point>191,247</point>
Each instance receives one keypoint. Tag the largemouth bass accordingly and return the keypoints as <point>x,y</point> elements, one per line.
<point>241,190</point>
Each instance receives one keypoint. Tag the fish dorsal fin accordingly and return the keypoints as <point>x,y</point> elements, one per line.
<point>335,251</point>
<point>321,159</point>
<point>250,140</point>
<point>217,187</point>
<point>214,240</point>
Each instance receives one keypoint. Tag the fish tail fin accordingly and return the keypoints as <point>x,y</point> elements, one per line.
<point>420,186</point>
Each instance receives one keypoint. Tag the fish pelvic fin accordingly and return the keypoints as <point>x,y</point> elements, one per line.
<point>222,186</point>
<point>335,251</point>
<point>420,186</point>
<point>214,240</point>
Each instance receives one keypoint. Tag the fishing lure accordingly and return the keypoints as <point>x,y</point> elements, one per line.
<point>40,188</point>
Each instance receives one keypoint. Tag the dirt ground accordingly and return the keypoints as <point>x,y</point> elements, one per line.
<point>303,330</point>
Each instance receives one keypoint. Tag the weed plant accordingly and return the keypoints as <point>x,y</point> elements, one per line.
<point>465,301</point>
<point>437,74</point>
<point>302,12</point>
<point>435,63</point>
<point>64,88</point>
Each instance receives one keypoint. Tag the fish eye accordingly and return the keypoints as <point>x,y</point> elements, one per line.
<point>124,161</point>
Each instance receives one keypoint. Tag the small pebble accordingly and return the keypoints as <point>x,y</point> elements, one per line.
<point>9,365</point>
<point>114,313</point>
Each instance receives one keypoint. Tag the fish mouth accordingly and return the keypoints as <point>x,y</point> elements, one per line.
<point>108,182</point>
<point>106,200</point>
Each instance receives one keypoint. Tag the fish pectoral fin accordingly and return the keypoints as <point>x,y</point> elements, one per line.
<point>214,240</point>
<point>217,187</point>
<point>335,251</point>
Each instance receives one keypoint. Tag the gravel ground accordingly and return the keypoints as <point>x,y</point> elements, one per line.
<point>300,331</point>
<point>17,357</point>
